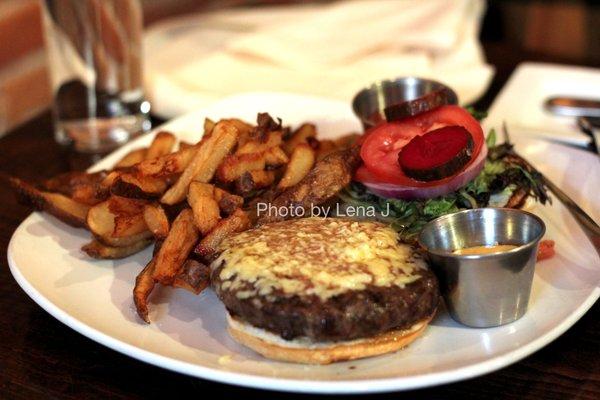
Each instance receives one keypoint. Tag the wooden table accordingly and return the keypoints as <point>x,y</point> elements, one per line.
<point>41,358</point>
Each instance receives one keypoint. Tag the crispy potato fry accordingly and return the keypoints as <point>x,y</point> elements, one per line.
<point>118,222</point>
<point>209,124</point>
<point>300,135</point>
<point>235,166</point>
<point>238,221</point>
<point>96,249</point>
<point>167,165</point>
<point>59,205</point>
<point>272,139</point>
<point>161,145</point>
<point>244,129</point>
<point>228,202</point>
<point>194,276</point>
<point>205,162</point>
<point>82,187</point>
<point>252,180</point>
<point>137,186</point>
<point>144,284</point>
<point>156,220</point>
<point>132,158</point>
<point>184,145</point>
<point>301,162</point>
<point>204,206</point>
<point>176,248</point>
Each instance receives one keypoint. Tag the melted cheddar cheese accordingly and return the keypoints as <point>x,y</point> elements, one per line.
<point>315,256</point>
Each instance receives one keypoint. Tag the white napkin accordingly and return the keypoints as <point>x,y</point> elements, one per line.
<point>330,50</point>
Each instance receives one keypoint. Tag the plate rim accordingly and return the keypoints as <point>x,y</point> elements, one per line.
<point>375,385</point>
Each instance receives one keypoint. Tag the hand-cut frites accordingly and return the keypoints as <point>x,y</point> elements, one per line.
<point>209,124</point>
<point>301,161</point>
<point>167,165</point>
<point>176,248</point>
<point>62,207</point>
<point>228,202</point>
<point>156,220</point>
<point>144,284</point>
<point>132,158</point>
<point>80,186</point>
<point>184,145</point>
<point>272,139</point>
<point>300,135</point>
<point>161,145</point>
<point>118,222</point>
<point>204,206</point>
<point>138,186</point>
<point>193,198</point>
<point>235,166</point>
<point>193,277</point>
<point>252,180</point>
<point>205,162</point>
<point>236,222</point>
<point>96,249</point>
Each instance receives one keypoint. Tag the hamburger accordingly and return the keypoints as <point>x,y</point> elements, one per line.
<point>322,290</point>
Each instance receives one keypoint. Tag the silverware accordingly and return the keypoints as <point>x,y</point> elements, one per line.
<point>484,290</point>
<point>590,228</point>
<point>369,104</point>
<point>573,106</point>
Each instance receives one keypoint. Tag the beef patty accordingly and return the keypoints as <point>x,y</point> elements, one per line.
<point>324,280</point>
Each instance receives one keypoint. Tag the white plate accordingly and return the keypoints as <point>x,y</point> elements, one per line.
<point>521,101</point>
<point>188,334</point>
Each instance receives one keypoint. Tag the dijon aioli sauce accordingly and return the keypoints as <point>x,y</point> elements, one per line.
<point>480,250</point>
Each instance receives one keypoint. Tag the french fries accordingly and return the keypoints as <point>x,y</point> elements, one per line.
<point>137,186</point>
<point>252,180</point>
<point>301,161</point>
<point>193,277</point>
<point>167,165</point>
<point>204,206</point>
<point>191,199</point>
<point>238,221</point>
<point>156,220</point>
<point>227,202</point>
<point>118,222</point>
<point>204,163</point>
<point>235,166</point>
<point>300,135</point>
<point>132,158</point>
<point>176,248</point>
<point>144,284</point>
<point>96,249</point>
<point>161,145</point>
<point>62,207</point>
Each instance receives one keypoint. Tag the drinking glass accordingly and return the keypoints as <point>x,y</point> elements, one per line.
<point>94,53</point>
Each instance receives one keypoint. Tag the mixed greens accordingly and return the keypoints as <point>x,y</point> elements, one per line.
<point>505,181</point>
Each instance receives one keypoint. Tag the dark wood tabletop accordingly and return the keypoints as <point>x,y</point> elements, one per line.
<point>40,358</point>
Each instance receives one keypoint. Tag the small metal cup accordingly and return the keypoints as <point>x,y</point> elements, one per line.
<point>484,290</point>
<point>369,103</point>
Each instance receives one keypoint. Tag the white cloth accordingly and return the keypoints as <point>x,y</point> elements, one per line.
<point>330,50</point>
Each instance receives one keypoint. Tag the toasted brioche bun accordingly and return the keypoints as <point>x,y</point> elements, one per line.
<point>304,352</point>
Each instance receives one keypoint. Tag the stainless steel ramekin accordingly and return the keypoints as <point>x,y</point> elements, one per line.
<point>484,290</point>
<point>370,102</point>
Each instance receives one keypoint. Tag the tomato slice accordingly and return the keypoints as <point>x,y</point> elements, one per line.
<point>383,143</point>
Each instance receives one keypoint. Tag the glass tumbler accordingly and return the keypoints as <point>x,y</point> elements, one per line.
<point>94,53</point>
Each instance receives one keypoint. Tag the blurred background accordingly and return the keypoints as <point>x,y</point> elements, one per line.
<point>508,32</point>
